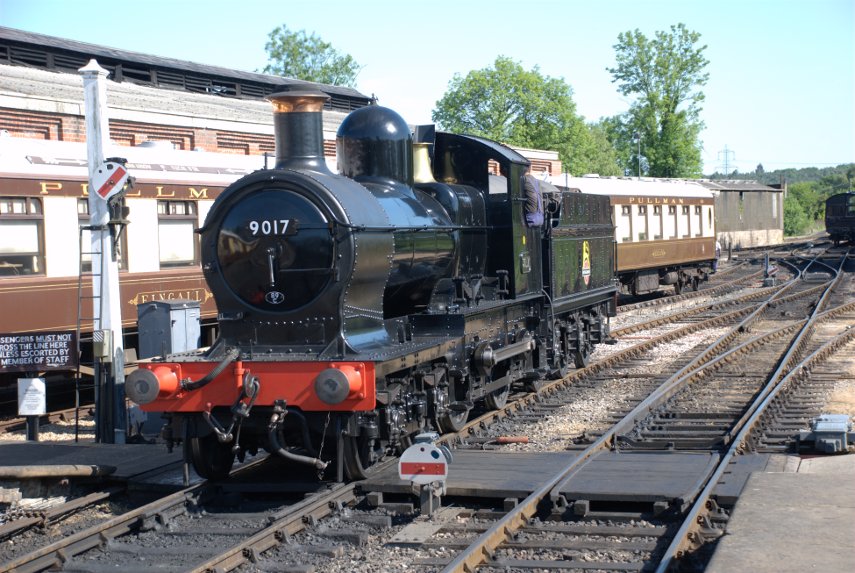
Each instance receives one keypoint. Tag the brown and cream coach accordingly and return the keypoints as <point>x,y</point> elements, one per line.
<point>664,229</point>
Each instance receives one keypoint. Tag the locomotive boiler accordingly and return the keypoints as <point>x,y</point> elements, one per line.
<point>360,308</point>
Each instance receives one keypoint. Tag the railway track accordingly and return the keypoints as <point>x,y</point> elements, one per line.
<point>66,415</point>
<point>491,547</point>
<point>550,532</point>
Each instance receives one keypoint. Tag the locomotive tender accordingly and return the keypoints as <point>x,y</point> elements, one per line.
<point>361,308</point>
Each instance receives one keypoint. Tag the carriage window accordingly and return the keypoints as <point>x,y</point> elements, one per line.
<point>657,222</point>
<point>642,223</point>
<point>698,225</point>
<point>176,222</point>
<point>86,239</point>
<point>624,224</point>
<point>21,236</point>
<point>685,223</point>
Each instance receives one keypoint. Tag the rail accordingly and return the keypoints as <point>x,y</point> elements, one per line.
<point>688,532</point>
<point>486,544</point>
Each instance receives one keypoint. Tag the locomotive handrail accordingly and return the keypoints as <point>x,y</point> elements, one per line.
<point>393,228</point>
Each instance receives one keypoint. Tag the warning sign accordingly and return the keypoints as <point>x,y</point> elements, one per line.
<point>423,463</point>
<point>38,352</point>
<point>32,397</point>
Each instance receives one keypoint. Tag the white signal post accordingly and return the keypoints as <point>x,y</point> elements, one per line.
<point>109,368</point>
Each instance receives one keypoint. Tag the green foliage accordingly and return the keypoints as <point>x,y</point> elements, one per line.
<point>796,221</point>
<point>527,109</point>
<point>300,56</point>
<point>596,154</point>
<point>804,207</point>
<point>664,74</point>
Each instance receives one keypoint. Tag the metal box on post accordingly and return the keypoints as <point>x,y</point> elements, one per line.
<point>168,326</point>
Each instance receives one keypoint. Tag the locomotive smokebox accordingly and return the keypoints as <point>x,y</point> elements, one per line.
<point>374,142</point>
<point>298,128</point>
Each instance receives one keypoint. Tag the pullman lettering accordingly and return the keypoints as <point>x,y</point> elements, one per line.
<point>140,190</point>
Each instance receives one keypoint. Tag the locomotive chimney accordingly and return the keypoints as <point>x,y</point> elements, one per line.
<point>298,129</point>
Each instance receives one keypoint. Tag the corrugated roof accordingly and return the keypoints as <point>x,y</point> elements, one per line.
<point>19,47</point>
<point>133,102</point>
<point>736,185</point>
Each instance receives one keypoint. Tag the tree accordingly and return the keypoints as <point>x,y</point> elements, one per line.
<point>298,55</point>
<point>523,108</point>
<point>796,220</point>
<point>663,74</point>
<point>803,207</point>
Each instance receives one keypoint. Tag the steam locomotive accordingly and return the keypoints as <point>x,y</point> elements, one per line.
<point>359,309</point>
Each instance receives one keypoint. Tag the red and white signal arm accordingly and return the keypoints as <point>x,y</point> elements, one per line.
<point>109,179</point>
<point>423,463</point>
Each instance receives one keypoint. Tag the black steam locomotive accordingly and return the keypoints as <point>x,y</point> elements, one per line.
<point>359,309</point>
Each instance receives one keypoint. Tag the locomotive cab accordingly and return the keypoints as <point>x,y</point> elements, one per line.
<point>515,250</point>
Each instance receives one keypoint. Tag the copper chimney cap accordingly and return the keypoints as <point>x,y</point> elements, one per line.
<point>295,101</point>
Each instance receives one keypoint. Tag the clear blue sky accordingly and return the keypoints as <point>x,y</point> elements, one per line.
<point>782,72</point>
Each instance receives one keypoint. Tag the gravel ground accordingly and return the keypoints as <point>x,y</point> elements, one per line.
<point>842,399</point>
<point>590,410</point>
<point>57,432</point>
<point>32,539</point>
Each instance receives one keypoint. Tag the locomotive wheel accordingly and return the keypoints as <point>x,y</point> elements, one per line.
<point>357,464</point>
<point>561,369</point>
<point>534,385</point>
<point>452,421</point>
<point>582,354</point>
<point>559,353</point>
<point>353,465</point>
<point>211,459</point>
<point>678,286</point>
<point>497,399</point>
<point>695,282</point>
<point>582,357</point>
